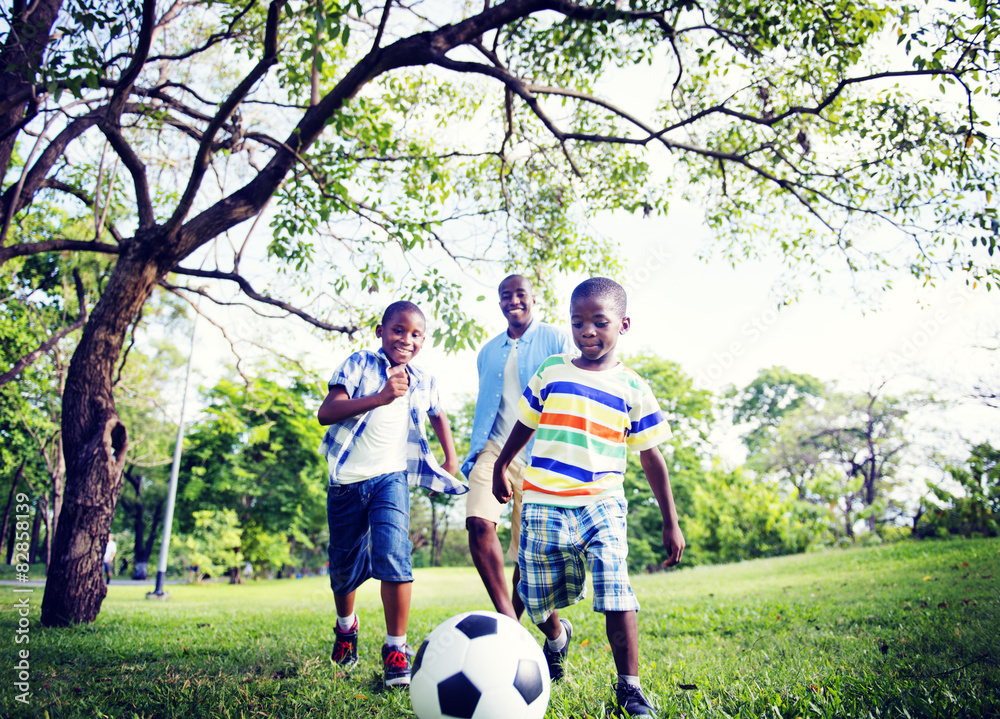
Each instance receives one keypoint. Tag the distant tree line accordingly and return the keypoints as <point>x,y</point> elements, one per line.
<point>822,468</point>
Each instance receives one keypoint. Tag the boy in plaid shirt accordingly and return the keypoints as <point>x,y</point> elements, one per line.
<point>584,412</point>
<point>375,448</point>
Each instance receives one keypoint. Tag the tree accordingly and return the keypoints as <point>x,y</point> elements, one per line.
<point>690,414</point>
<point>359,128</point>
<point>763,403</point>
<point>253,452</point>
<point>214,544</point>
<point>844,452</point>
<point>975,508</point>
<point>30,424</point>
<point>433,516</point>
<point>734,517</point>
<point>144,508</point>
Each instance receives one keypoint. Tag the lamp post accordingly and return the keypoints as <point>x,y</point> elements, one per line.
<point>168,519</point>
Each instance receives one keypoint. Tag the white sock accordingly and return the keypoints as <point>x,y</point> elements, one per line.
<point>346,624</point>
<point>557,644</point>
<point>630,680</point>
<point>393,641</point>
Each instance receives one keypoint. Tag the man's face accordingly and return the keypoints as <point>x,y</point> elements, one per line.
<point>516,301</point>
<point>402,336</point>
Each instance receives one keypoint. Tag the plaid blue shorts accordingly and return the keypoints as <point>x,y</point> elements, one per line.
<point>555,544</point>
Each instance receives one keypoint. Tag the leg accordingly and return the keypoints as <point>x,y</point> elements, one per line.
<point>488,558</point>
<point>552,628</point>
<point>516,476</point>
<point>345,604</point>
<point>515,597</point>
<point>350,564</point>
<point>396,605</point>
<point>546,570</point>
<point>482,514</point>
<point>623,635</point>
<point>391,547</point>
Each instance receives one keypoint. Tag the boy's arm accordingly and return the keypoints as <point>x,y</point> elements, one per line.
<point>655,469</point>
<point>516,441</point>
<point>339,405</point>
<point>442,428</point>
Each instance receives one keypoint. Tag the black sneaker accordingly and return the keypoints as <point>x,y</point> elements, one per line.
<point>345,648</point>
<point>632,702</point>
<point>555,659</point>
<point>396,662</point>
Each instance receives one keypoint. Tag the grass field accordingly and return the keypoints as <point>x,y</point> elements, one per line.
<point>904,630</point>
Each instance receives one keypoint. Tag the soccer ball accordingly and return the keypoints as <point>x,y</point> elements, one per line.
<point>480,665</point>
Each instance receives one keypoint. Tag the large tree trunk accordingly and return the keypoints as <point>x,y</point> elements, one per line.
<point>94,444</point>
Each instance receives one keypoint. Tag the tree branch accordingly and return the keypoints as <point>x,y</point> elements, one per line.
<point>229,105</point>
<point>52,341</point>
<point>63,245</point>
<point>253,294</point>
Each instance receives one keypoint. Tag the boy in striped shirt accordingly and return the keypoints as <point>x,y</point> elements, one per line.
<point>585,412</point>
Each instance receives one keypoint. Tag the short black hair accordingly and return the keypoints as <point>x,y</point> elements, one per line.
<point>602,288</point>
<point>397,308</point>
<point>516,276</point>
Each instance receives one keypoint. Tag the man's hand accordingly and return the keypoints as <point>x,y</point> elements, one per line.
<point>396,385</point>
<point>673,542</point>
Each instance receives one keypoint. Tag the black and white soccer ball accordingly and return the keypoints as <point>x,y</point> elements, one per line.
<point>480,665</point>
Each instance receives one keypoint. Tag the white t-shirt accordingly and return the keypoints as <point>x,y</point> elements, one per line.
<point>381,448</point>
<point>510,396</point>
<point>110,550</point>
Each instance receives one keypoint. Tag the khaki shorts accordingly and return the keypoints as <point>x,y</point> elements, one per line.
<point>480,501</point>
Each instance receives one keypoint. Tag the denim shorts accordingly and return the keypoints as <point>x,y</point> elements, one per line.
<point>369,532</point>
<point>557,544</point>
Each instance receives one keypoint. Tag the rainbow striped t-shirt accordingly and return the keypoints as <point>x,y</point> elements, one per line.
<point>583,422</point>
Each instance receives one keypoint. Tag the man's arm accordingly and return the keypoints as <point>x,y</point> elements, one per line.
<point>339,405</point>
<point>442,428</point>
<point>655,469</point>
<point>516,441</point>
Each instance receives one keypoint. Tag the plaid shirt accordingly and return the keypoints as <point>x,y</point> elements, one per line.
<point>365,373</point>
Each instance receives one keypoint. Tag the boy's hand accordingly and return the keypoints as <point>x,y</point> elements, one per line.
<point>673,542</point>
<point>396,385</point>
<point>501,487</point>
<point>450,466</point>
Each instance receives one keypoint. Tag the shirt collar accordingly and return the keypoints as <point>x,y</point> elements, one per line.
<point>384,359</point>
<point>526,337</point>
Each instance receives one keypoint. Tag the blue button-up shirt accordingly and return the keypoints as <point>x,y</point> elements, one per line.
<point>365,373</point>
<point>537,344</point>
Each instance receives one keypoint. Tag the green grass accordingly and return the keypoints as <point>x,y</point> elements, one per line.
<point>905,630</point>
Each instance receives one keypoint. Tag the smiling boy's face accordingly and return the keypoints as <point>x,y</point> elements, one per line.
<point>596,329</point>
<point>402,336</point>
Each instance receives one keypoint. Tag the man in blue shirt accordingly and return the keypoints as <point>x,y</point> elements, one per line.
<point>505,363</point>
